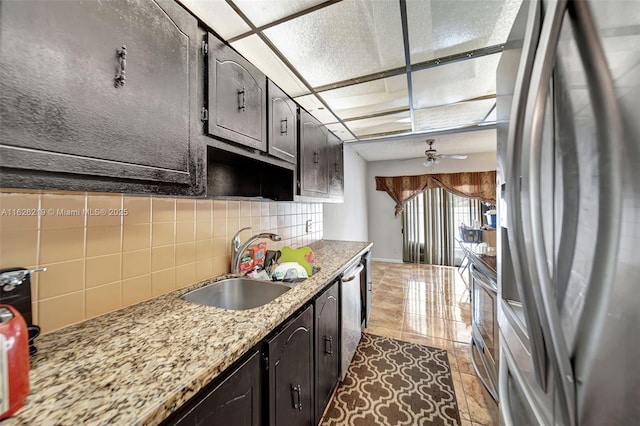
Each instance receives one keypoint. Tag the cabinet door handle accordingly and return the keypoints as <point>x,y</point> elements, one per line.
<point>337,166</point>
<point>329,340</point>
<point>316,157</point>
<point>241,100</point>
<point>284,130</point>
<point>295,394</point>
<point>119,81</point>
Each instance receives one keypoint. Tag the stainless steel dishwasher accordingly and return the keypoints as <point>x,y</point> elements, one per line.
<point>351,311</point>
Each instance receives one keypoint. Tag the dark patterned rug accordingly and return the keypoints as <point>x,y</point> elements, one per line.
<point>394,383</point>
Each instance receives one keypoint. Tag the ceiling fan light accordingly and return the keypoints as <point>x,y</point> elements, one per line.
<point>431,162</point>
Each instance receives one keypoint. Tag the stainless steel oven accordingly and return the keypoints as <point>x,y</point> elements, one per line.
<point>484,350</point>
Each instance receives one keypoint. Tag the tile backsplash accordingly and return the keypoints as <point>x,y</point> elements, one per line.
<point>105,252</point>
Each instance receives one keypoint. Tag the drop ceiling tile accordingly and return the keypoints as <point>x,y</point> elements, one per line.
<point>340,131</point>
<point>439,28</point>
<point>313,106</point>
<point>342,41</point>
<point>385,124</point>
<point>264,12</point>
<point>368,98</point>
<point>452,116</point>
<point>260,55</point>
<point>455,82</point>
<point>218,15</point>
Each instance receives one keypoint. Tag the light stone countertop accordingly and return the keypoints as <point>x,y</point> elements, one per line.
<point>137,365</point>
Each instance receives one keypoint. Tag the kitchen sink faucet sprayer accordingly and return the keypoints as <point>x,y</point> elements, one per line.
<point>237,250</point>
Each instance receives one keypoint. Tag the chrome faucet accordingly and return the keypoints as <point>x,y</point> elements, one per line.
<point>237,250</point>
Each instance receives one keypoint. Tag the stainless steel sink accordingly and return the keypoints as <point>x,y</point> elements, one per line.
<point>236,293</point>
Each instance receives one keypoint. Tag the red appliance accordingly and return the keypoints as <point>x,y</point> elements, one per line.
<point>14,361</point>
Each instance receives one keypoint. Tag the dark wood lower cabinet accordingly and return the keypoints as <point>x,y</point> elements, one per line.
<point>291,392</point>
<point>236,401</point>
<point>327,327</point>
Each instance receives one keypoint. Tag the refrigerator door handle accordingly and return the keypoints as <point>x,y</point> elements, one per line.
<point>535,246</point>
<point>514,158</point>
<point>610,130</point>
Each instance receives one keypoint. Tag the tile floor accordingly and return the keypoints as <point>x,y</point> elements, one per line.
<point>430,305</point>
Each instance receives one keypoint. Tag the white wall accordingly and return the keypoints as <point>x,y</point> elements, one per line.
<point>384,228</point>
<point>349,220</point>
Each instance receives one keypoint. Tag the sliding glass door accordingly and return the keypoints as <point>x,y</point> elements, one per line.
<point>430,226</point>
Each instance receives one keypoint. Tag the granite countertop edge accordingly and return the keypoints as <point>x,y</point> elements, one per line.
<point>139,364</point>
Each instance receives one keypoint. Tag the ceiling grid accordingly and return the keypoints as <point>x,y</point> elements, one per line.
<point>375,70</point>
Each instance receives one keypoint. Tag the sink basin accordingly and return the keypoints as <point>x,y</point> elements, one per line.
<point>236,293</point>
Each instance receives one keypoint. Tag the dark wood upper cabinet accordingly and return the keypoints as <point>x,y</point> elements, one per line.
<point>327,330</point>
<point>314,159</point>
<point>291,393</point>
<point>64,112</point>
<point>282,124</point>
<point>236,97</point>
<point>234,401</point>
<point>336,166</point>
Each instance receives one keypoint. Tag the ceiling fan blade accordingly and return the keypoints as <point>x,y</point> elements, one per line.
<point>454,156</point>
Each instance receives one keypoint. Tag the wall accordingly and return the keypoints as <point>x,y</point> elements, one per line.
<point>348,221</point>
<point>100,263</point>
<point>385,230</point>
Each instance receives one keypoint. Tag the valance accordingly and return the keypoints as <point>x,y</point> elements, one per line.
<point>479,185</point>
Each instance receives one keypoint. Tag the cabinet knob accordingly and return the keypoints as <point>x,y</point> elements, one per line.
<point>328,340</point>
<point>119,81</point>
<point>241,100</point>
<point>295,394</point>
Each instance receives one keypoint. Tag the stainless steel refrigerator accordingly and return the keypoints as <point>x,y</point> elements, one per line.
<point>568,109</point>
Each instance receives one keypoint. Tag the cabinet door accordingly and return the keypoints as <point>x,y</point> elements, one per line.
<point>327,329</point>
<point>314,171</point>
<point>235,401</point>
<point>282,124</point>
<point>336,166</point>
<point>291,393</point>
<point>62,108</point>
<point>237,97</point>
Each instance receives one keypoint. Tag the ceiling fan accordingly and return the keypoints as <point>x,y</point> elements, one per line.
<point>433,158</point>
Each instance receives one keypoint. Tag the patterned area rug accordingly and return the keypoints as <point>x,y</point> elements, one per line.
<point>394,383</point>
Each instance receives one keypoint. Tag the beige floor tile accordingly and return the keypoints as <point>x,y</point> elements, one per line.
<point>426,326</point>
<point>463,356</point>
<point>459,331</point>
<point>476,399</point>
<point>458,386</point>
<point>385,332</point>
<point>392,305</point>
<point>427,341</point>
<point>386,321</point>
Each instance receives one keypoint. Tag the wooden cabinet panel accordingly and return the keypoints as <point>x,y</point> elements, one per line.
<point>236,97</point>
<point>62,109</point>
<point>327,328</point>
<point>336,166</point>
<point>313,161</point>
<point>235,401</point>
<point>282,124</point>
<point>291,393</point>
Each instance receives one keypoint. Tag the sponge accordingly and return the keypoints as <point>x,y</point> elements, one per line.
<point>302,255</point>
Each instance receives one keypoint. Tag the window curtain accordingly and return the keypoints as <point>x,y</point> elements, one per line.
<point>478,185</point>
<point>428,222</point>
